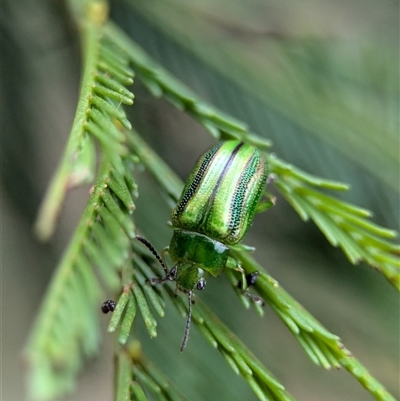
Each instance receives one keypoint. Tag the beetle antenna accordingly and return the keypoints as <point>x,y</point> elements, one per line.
<point>188,320</point>
<point>153,251</point>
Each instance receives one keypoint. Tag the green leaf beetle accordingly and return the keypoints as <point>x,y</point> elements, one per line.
<point>215,210</point>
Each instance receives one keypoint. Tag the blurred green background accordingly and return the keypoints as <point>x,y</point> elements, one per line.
<point>320,78</point>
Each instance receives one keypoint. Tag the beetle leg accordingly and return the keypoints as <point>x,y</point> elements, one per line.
<point>250,280</point>
<point>241,283</point>
<point>247,281</point>
<point>170,276</point>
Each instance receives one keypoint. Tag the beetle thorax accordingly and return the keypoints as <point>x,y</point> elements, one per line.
<point>198,251</point>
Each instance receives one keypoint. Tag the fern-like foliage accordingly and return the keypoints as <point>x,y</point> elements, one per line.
<point>62,337</point>
<point>322,347</point>
<point>103,239</point>
<point>343,224</point>
<point>104,79</point>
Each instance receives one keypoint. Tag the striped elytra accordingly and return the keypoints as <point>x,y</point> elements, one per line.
<point>222,192</point>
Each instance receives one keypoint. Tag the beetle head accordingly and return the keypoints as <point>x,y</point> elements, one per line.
<point>188,277</point>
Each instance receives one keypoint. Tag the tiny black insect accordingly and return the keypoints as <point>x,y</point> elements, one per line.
<point>108,306</point>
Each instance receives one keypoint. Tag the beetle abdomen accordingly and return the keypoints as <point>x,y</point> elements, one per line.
<point>222,192</point>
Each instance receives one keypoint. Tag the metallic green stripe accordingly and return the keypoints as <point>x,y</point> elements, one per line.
<point>246,197</point>
<point>222,176</point>
<point>236,196</point>
<point>222,192</point>
<point>195,179</point>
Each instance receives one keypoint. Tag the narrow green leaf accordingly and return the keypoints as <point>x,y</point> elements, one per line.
<point>103,91</point>
<point>364,224</point>
<point>306,347</point>
<point>138,392</point>
<point>115,55</point>
<point>211,128</point>
<point>220,334</point>
<point>373,242</point>
<point>241,364</point>
<point>322,200</point>
<point>104,122</point>
<point>154,299</point>
<point>130,312</point>
<point>107,247</point>
<point>123,193</point>
<point>256,388</point>
<point>148,318</point>
<point>230,360</point>
<point>286,170</point>
<point>174,87</point>
<point>124,377</point>
<point>111,110</point>
<point>122,218</point>
<point>154,88</point>
<point>352,250</point>
<point>110,59</point>
<point>108,272</point>
<point>218,118</point>
<point>209,337</point>
<point>122,76</point>
<point>286,319</point>
<point>147,380</point>
<point>116,231</point>
<point>119,309</point>
<point>89,280</point>
<point>317,351</point>
<point>129,180</point>
<point>325,224</point>
<point>385,258</point>
<point>262,374</point>
<point>150,291</point>
<point>297,202</point>
<point>112,148</point>
<point>175,101</point>
<point>327,351</point>
<point>114,85</point>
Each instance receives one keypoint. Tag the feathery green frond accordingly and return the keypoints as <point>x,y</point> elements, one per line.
<point>322,347</point>
<point>104,79</point>
<point>61,337</point>
<point>342,223</point>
